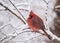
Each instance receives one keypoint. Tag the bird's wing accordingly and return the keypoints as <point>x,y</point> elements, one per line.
<point>37,22</point>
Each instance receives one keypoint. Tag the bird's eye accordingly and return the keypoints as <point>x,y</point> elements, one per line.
<point>30,17</point>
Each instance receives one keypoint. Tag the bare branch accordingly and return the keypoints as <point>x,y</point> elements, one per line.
<point>2,27</point>
<point>12,12</point>
<point>13,36</point>
<point>2,9</point>
<point>17,10</point>
<point>3,39</point>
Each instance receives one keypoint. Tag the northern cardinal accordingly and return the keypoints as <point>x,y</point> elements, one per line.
<point>35,23</point>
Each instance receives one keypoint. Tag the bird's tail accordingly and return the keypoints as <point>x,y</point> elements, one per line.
<point>46,34</point>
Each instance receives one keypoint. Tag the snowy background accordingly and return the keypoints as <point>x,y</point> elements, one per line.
<point>11,27</point>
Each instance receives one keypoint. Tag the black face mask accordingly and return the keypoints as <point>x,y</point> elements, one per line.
<point>30,17</point>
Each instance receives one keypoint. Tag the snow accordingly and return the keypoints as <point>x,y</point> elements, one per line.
<point>14,26</point>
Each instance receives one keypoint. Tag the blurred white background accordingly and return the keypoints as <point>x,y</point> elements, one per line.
<point>11,26</point>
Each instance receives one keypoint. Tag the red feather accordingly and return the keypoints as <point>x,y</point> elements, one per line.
<point>36,23</point>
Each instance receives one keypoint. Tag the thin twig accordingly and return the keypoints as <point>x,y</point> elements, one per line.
<point>2,27</point>
<point>12,13</point>
<point>3,39</point>
<point>21,33</point>
<point>17,10</point>
<point>28,39</point>
<point>23,9</point>
<point>45,1</point>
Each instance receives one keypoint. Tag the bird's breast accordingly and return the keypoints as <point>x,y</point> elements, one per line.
<point>35,23</point>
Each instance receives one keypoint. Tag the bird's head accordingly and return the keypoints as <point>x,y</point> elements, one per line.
<point>31,15</point>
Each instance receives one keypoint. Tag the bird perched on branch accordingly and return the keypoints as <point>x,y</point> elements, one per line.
<point>36,23</point>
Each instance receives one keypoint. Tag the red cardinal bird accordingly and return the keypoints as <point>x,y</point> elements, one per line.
<point>36,23</point>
